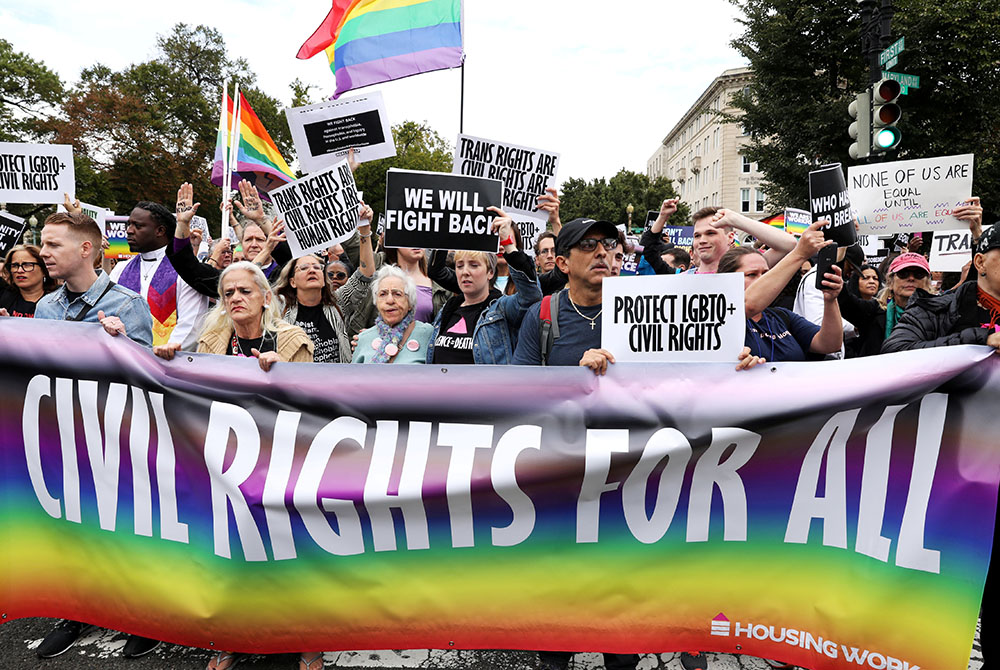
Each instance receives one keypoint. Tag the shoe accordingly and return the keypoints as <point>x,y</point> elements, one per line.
<point>695,661</point>
<point>61,638</point>
<point>224,660</point>
<point>309,661</point>
<point>136,646</point>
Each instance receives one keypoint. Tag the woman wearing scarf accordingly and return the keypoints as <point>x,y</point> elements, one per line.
<point>397,336</point>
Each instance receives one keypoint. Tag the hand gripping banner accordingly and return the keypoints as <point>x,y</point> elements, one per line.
<point>831,515</point>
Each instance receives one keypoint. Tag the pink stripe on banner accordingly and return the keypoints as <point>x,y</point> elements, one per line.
<point>396,67</point>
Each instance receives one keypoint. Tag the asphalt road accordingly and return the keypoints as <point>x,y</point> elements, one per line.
<point>100,650</point>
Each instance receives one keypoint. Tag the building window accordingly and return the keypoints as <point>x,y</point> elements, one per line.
<point>744,200</point>
<point>760,200</point>
<point>746,165</point>
<point>715,138</point>
<point>715,170</point>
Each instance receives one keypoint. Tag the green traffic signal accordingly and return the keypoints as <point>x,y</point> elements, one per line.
<point>887,138</point>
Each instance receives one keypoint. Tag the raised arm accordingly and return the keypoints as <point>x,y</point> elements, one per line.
<point>762,292</point>
<point>779,242</point>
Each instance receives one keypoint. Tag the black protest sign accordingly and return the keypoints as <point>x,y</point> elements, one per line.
<point>829,200</point>
<point>11,229</point>
<point>36,173</point>
<point>433,210</point>
<point>319,210</point>
<point>651,217</point>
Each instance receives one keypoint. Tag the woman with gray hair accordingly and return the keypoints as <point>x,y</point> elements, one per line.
<point>246,322</point>
<point>397,336</point>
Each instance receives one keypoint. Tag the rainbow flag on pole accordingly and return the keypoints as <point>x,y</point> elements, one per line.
<point>257,159</point>
<point>371,41</point>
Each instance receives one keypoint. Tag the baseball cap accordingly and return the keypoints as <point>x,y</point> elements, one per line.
<point>990,240</point>
<point>575,230</point>
<point>910,260</point>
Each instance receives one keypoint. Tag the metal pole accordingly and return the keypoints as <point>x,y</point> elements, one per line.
<point>461,104</point>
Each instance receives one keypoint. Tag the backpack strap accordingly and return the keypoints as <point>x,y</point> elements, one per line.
<point>549,331</point>
<point>86,308</point>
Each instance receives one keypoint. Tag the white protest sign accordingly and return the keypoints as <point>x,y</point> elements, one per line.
<point>525,172</point>
<point>951,250</point>
<point>679,318</point>
<point>911,195</point>
<point>36,173</point>
<point>319,209</point>
<point>98,214</point>
<point>324,133</point>
<point>530,228</point>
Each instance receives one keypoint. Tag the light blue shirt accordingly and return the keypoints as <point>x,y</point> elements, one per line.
<point>119,301</point>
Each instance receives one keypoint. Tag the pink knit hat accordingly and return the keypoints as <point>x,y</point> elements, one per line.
<point>909,260</point>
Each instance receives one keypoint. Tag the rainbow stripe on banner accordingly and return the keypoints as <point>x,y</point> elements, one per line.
<point>114,233</point>
<point>259,160</point>
<point>371,41</point>
<point>414,507</point>
<point>775,221</point>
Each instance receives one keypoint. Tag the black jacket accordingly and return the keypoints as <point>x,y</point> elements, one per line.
<point>868,319</point>
<point>939,321</point>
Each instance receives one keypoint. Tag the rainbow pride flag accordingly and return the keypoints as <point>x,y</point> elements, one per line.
<point>259,160</point>
<point>775,221</point>
<point>371,41</point>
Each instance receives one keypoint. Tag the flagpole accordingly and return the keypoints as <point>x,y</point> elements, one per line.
<point>461,104</point>
<point>225,151</point>
<point>233,156</point>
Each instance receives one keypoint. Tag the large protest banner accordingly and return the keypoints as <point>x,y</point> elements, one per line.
<point>433,210</point>
<point>912,195</point>
<point>36,173</point>
<point>525,173</point>
<point>832,525</point>
<point>689,318</point>
<point>324,133</point>
<point>319,209</point>
<point>11,229</point>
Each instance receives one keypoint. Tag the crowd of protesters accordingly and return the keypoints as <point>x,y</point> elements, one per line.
<point>361,303</point>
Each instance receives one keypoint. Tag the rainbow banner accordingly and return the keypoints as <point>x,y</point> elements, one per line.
<point>258,160</point>
<point>831,515</point>
<point>372,41</point>
<point>775,221</point>
<point>115,234</point>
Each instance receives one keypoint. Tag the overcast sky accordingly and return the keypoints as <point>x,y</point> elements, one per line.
<point>601,88</point>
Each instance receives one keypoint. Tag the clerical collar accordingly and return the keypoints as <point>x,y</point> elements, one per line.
<point>154,255</point>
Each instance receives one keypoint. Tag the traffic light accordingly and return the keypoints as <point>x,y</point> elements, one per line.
<point>885,115</point>
<point>860,129</point>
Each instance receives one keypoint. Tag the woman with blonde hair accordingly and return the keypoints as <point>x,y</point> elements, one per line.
<point>246,322</point>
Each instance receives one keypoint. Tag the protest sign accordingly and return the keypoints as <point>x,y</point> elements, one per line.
<point>98,214</point>
<point>862,512</point>
<point>680,236</point>
<point>433,210</point>
<point>319,209</point>
<point>651,217</point>
<point>201,223</point>
<point>677,318</point>
<point>829,200</point>
<point>11,229</point>
<point>910,195</point>
<point>525,172</point>
<point>114,232</point>
<point>324,133</point>
<point>630,264</point>
<point>530,228</point>
<point>36,173</point>
<point>873,248</point>
<point>951,250</point>
<point>796,220</point>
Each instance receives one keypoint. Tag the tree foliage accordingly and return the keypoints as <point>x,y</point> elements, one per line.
<point>808,66</point>
<point>418,147</point>
<point>29,92</point>
<point>608,199</point>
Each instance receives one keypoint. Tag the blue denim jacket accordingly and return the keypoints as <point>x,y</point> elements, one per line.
<point>495,334</point>
<point>127,305</point>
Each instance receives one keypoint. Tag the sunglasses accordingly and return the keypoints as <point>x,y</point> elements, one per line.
<point>26,267</point>
<point>588,244</point>
<point>337,275</point>
<point>911,273</point>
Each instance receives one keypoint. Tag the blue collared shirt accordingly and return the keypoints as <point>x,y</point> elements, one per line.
<point>119,301</point>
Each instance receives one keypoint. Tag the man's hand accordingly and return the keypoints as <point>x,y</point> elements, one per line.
<point>352,162</point>
<point>112,324</point>
<point>597,360</point>
<point>973,214</point>
<point>549,202</point>
<point>4,312</point>
<point>503,226</point>
<point>811,241</point>
<point>267,359</point>
<point>221,247</point>
<point>251,207</point>
<point>365,216</point>
<point>196,236</point>
<point>993,340</point>
<point>73,207</point>
<point>833,283</point>
<point>167,351</point>
<point>186,209</point>
<point>667,209</point>
<point>747,361</point>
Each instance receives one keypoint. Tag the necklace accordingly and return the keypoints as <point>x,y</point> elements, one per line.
<point>142,266</point>
<point>238,345</point>
<point>593,321</point>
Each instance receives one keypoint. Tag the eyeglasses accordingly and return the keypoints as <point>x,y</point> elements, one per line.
<point>546,252</point>
<point>911,273</point>
<point>307,268</point>
<point>337,275</point>
<point>26,267</point>
<point>588,244</point>
<point>395,293</point>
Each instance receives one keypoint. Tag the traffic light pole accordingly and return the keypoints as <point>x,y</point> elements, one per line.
<point>876,29</point>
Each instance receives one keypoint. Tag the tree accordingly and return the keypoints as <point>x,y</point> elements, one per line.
<point>808,66</point>
<point>608,200</point>
<point>29,91</point>
<point>418,147</point>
